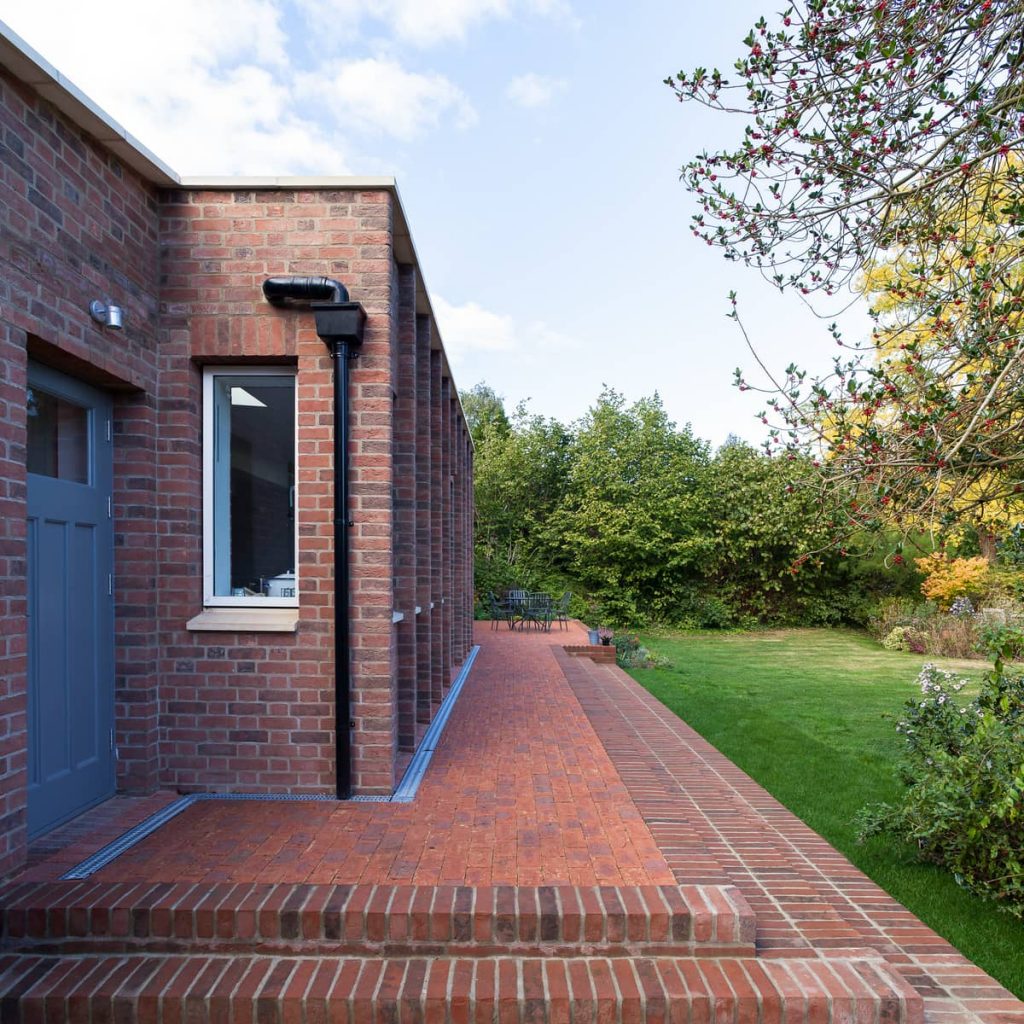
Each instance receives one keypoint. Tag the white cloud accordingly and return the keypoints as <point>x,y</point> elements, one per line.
<point>546,339</point>
<point>470,329</point>
<point>380,95</point>
<point>426,22</point>
<point>210,89</point>
<point>206,87</point>
<point>532,90</point>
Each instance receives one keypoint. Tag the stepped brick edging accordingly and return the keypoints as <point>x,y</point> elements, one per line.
<point>715,825</point>
<point>509,990</point>
<point>388,919</point>
<point>603,654</point>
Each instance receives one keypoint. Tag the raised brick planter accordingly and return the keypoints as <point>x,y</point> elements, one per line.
<point>603,654</point>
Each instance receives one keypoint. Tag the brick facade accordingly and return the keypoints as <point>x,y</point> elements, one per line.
<point>239,711</point>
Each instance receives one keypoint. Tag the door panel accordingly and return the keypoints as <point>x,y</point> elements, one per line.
<point>70,634</point>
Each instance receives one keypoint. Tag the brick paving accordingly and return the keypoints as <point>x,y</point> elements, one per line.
<point>575,853</point>
<point>520,791</point>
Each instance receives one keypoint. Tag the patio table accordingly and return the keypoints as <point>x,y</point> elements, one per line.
<point>538,610</point>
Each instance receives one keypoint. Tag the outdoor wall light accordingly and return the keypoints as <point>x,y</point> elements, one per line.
<point>107,314</point>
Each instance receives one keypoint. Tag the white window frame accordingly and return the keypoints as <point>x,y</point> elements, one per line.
<point>211,600</point>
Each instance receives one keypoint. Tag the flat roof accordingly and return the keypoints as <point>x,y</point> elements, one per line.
<point>30,67</point>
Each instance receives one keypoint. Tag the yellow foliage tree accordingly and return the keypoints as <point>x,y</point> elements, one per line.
<point>946,579</point>
<point>949,310</point>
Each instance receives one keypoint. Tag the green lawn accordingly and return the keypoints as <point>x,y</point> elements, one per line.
<point>803,712</point>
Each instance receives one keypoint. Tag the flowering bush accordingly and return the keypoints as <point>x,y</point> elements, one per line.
<point>630,653</point>
<point>946,579</point>
<point>961,607</point>
<point>963,769</point>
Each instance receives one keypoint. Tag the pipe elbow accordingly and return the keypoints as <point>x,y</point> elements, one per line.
<point>279,290</point>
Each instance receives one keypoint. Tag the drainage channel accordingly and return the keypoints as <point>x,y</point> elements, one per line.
<point>403,794</point>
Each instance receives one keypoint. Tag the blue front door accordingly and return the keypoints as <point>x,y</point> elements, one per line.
<point>70,603</point>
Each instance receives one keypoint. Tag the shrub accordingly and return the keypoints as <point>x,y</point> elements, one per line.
<point>1008,640</point>
<point>1011,546</point>
<point>906,638</point>
<point>891,612</point>
<point>1006,590</point>
<point>946,579</point>
<point>951,636</point>
<point>963,769</point>
<point>630,653</point>
<point>903,625</point>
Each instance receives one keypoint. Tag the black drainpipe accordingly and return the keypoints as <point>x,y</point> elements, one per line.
<point>339,323</point>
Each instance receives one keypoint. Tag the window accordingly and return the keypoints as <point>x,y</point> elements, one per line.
<point>249,534</point>
<point>58,437</point>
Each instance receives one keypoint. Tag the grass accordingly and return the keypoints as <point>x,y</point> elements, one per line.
<point>805,713</point>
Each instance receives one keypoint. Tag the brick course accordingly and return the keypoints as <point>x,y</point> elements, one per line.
<point>386,920</point>
<point>510,990</point>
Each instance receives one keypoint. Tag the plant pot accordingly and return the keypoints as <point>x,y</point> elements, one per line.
<point>606,643</point>
<point>592,635</point>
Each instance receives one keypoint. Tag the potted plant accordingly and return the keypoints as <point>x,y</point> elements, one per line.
<point>604,634</point>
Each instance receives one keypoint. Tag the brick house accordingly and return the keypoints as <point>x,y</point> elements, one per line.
<point>174,585</point>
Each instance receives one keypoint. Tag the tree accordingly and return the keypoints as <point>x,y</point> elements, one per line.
<point>519,481</point>
<point>631,524</point>
<point>876,132</point>
<point>484,410</point>
<point>950,367</point>
<point>763,524</point>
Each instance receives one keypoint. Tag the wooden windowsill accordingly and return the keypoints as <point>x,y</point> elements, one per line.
<point>245,620</point>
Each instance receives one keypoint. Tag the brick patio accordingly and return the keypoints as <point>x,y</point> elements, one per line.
<point>574,853</point>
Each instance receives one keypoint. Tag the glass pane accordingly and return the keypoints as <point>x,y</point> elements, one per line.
<point>58,437</point>
<point>254,486</point>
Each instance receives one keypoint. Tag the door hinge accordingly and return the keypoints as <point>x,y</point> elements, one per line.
<point>110,507</point>
<point>110,584</point>
<point>108,430</point>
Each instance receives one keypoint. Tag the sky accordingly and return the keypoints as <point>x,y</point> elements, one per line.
<point>537,153</point>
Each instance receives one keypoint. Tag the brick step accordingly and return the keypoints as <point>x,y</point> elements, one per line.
<point>689,920</point>
<point>209,988</point>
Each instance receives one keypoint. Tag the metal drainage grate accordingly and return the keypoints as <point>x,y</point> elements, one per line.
<point>421,759</point>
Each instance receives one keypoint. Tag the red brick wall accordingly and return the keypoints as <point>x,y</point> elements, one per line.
<point>256,711</point>
<point>75,225</point>
<point>231,711</point>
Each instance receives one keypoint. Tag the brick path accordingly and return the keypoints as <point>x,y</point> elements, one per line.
<point>520,791</point>
<point>575,853</point>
